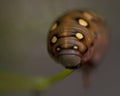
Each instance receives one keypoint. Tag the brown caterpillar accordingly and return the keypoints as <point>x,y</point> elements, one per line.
<point>78,38</point>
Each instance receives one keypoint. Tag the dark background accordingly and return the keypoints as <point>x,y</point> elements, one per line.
<point>24,27</point>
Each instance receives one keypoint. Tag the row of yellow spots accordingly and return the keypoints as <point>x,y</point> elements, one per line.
<point>74,47</point>
<point>80,21</point>
<point>78,36</point>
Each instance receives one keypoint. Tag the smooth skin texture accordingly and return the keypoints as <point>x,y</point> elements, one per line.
<point>78,39</point>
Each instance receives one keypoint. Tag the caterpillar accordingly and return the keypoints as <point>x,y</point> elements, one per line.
<point>78,39</point>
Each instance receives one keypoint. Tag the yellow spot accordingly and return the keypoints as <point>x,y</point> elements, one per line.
<point>58,49</point>
<point>54,26</point>
<point>88,15</point>
<point>75,47</point>
<point>54,39</point>
<point>83,22</point>
<point>79,36</point>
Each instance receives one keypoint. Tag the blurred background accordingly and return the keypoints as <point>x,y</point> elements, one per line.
<point>24,26</point>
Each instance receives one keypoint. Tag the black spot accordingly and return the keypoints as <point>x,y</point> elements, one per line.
<point>86,49</point>
<point>92,44</point>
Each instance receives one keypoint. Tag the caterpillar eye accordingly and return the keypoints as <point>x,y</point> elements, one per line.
<point>54,26</point>
<point>83,22</point>
<point>79,36</point>
<point>54,39</point>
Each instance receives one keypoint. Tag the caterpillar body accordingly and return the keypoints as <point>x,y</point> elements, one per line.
<point>78,39</point>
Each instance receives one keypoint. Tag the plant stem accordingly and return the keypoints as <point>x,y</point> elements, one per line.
<point>61,76</point>
<point>46,83</point>
<point>14,82</point>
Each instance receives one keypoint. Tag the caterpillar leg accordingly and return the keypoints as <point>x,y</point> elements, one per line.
<point>86,72</point>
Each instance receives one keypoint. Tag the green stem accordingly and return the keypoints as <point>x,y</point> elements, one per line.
<point>61,76</point>
<point>14,82</point>
<point>43,84</point>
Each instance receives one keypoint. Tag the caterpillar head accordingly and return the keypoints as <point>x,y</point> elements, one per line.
<point>70,38</point>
